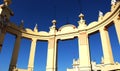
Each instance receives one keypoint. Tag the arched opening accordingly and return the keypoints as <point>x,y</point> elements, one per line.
<point>40,56</point>
<point>24,51</point>
<point>95,47</point>
<point>6,53</point>
<point>114,43</point>
<point>67,51</point>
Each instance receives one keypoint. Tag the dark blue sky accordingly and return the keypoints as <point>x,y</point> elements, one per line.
<point>42,12</point>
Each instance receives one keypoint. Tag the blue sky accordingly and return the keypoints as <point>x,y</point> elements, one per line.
<point>42,12</point>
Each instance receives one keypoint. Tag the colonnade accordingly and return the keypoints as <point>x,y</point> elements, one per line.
<point>83,42</point>
<point>84,50</point>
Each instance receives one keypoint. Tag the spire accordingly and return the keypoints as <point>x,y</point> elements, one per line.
<point>100,16</point>
<point>36,28</point>
<point>7,2</point>
<point>100,13</point>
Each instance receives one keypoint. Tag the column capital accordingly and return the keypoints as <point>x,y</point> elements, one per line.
<point>103,28</point>
<point>18,35</point>
<point>83,34</point>
<point>34,39</point>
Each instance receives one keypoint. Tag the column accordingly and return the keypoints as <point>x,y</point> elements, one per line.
<point>15,53</point>
<point>117,27</point>
<point>84,53</point>
<point>32,55</point>
<point>52,55</point>
<point>2,35</point>
<point>106,46</point>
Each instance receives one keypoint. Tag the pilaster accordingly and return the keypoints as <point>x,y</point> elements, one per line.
<point>32,54</point>
<point>15,53</point>
<point>52,55</point>
<point>84,53</point>
<point>106,46</point>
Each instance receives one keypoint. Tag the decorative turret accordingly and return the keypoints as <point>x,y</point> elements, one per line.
<point>81,23</point>
<point>53,27</point>
<point>36,28</point>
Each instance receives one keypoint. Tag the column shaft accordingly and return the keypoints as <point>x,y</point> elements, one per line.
<point>84,53</point>
<point>15,53</point>
<point>52,55</point>
<point>32,55</point>
<point>117,27</point>
<point>2,35</point>
<point>107,51</point>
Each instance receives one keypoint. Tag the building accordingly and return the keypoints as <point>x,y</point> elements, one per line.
<point>82,32</point>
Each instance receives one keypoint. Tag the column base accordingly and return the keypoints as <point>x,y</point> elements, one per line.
<point>12,68</point>
<point>51,69</point>
<point>30,68</point>
<point>85,68</point>
<point>106,67</point>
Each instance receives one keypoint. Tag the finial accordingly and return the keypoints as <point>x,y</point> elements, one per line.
<point>53,27</point>
<point>113,2</point>
<point>22,23</point>
<point>82,23</point>
<point>7,2</point>
<point>81,16</point>
<point>36,28</point>
<point>54,22</point>
<point>100,13</point>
